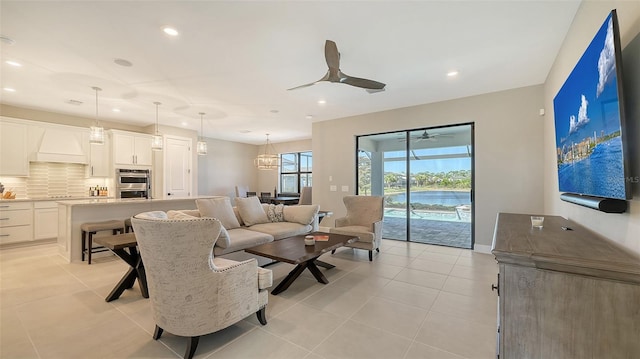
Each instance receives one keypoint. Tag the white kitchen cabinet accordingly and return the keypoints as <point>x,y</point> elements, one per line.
<point>16,221</point>
<point>45,216</point>
<point>99,160</point>
<point>14,159</point>
<point>131,149</point>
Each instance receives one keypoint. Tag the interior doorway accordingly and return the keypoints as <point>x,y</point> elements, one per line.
<point>426,176</point>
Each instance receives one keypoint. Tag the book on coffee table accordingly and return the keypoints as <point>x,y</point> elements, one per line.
<point>321,237</point>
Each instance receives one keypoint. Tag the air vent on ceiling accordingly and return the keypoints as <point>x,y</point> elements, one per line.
<point>74,102</point>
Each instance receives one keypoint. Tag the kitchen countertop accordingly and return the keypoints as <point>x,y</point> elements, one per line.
<point>56,199</point>
<point>112,201</point>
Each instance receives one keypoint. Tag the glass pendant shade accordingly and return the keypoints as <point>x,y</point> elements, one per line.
<point>157,142</point>
<point>96,132</point>
<point>269,160</point>
<point>201,146</point>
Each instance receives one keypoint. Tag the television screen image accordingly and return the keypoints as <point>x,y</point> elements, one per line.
<point>589,121</point>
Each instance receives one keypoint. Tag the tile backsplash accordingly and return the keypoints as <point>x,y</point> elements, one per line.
<point>48,179</point>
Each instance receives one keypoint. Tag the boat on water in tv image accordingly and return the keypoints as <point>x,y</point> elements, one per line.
<point>589,121</point>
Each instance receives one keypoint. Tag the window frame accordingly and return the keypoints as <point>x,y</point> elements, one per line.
<point>299,173</point>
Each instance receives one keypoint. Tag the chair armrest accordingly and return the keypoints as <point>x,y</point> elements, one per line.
<point>342,222</point>
<point>377,233</point>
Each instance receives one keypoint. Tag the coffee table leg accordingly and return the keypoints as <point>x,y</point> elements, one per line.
<point>286,282</point>
<point>324,264</point>
<point>130,277</point>
<point>316,272</point>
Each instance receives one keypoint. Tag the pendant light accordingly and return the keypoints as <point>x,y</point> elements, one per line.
<point>201,147</point>
<point>269,159</point>
<point>156,143</point>
<point>96,132</point>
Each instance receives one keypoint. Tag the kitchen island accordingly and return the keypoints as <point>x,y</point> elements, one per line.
<point>71,215</point>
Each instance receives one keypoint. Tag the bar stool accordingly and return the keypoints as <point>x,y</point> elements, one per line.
<point>91,228</point>
<point>127,225</point>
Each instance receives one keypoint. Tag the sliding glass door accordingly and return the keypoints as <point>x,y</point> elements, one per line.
<point>426,176</point>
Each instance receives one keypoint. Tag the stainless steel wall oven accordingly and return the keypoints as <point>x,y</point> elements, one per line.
<point>133,183</point>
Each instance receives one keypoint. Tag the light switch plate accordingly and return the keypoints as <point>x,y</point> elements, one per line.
<point>345,188</point>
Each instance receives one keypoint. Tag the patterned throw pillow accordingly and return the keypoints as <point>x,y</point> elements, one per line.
<point>275,213</point>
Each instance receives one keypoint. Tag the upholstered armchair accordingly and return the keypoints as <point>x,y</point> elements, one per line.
<point>191,292</point>
<point>364,220</point>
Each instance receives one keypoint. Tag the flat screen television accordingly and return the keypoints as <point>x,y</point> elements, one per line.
<point>589,121</point>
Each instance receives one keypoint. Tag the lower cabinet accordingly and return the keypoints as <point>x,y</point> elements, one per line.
<point>16,221</point>
<point>45,215</point>
<point>565,293</point>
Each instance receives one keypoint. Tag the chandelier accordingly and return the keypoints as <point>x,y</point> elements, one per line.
<point>269,159</point>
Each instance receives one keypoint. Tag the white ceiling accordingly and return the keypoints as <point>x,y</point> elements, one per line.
<point>234,60</point>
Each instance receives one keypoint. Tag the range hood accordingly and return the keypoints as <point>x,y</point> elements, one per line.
<point>60,146</point>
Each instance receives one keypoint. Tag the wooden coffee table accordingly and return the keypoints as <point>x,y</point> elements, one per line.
<point>293,250</point>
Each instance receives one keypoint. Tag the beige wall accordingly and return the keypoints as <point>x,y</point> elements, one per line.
<point>508,151</point>
<point>226,165</point>
<point>622,228</point>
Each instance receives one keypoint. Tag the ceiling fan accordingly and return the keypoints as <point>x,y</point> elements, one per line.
<point>334,74</point>
<point>426,136</point>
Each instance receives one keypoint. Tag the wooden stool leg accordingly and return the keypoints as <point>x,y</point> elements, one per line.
<point>90,247</point>
<point>84,243</point>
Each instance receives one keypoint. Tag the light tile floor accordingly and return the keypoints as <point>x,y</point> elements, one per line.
<point>413,301</point>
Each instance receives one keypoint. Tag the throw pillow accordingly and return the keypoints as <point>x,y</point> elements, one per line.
<point>303,214</point>
<point>251,211</point>
<point>275,213</point>
<point>178,215</point>
<point>219,208</point>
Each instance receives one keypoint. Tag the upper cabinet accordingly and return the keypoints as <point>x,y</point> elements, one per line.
<point>14,159</point>
<point>132,149</point>
<point>99,160</point>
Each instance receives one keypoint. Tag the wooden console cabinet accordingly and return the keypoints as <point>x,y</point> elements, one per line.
<point>564,291</point>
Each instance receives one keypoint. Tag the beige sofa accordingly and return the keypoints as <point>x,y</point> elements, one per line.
<point>251,223</point>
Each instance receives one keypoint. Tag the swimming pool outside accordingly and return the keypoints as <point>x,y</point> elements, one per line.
<point>431,215</point>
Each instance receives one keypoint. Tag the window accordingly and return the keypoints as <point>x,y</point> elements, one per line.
<point>296,171</point>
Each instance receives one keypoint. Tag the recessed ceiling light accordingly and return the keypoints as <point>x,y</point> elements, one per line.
<point>452,73</point>
<point>9,89</point>
<point>13,63</point>
<point>185,123</point>
<point>308,117</point>
<point>322,102</point>
<point>245,131</point>
<point>116,110</point>
<point>170,31</point>
<point>123,62</point>
<point>274,111</point>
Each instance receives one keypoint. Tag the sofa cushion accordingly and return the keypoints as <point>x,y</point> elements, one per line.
<point>281,230</point>
<point>364,233</point>
<point>303,214</point>
<point>251,211</point>
<point>219,208</point>
<point>243,238</point>
<point>275,212</point>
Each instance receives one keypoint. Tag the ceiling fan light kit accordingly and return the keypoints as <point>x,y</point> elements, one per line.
<point>334,74</point>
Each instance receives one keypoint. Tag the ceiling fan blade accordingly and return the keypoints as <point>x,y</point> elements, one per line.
<point>364,83</point>
<point>332,55</point>
<point>324,78</point>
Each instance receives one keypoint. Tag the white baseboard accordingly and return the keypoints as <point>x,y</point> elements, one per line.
<point>482,248</point>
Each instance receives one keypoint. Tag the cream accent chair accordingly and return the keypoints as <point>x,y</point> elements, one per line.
<point>305,196</point>
<point>364,219</point>
<point>191,292</point>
